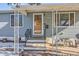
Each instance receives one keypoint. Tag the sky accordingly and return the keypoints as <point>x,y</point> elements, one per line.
<point>4,6</point>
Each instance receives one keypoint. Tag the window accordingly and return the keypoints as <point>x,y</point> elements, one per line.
<point>20,20</point>
<point>64,19</point>
<point>71,18</point>
<point>14,20</point>
<point>57,17</point>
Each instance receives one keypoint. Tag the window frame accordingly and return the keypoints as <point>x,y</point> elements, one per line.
<point>59,18</point>
<point>42,23</point>
<point>18,18</point>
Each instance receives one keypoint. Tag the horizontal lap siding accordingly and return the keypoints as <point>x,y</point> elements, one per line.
<point>6,31</point>
<point>48,21</point>
<point>27,24</point>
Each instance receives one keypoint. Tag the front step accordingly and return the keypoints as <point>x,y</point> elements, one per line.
<point>36,41</point>
<point>35,45</point>
<point>35,53</point>
<point>35,49</point>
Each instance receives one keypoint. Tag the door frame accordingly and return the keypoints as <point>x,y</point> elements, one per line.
<point>42,23</point>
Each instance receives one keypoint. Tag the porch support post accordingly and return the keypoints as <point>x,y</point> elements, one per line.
<point>53,24</point>
<point>56,36</point>
<point>16,32</point>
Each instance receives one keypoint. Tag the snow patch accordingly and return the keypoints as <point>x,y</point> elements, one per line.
<point>3,24</point>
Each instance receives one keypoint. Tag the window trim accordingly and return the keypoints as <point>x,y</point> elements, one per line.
<point>18,18</point>
<point>42,23</point>
<point>64,13</point>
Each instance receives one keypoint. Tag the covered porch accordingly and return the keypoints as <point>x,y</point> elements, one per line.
<point>70,24</point>
<point>59,35</point>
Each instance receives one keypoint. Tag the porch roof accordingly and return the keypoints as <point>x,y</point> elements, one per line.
<point>50,7</point>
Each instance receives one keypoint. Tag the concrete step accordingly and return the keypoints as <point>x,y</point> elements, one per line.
<point>37,41</point>
<point>35,44</point>
<point>35,49</point>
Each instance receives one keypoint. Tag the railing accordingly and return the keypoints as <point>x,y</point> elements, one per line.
<point>70,34</point>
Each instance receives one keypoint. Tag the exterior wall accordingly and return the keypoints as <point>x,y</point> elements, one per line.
<point>48,21</point>
<point>27,24</point>
<point>67,32</point>
<point>76,16</point>
<point>8,31</point>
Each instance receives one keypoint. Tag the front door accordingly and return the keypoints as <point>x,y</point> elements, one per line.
<point>37,24</point>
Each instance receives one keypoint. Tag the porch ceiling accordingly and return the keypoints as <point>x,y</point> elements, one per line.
<point>49,8</point>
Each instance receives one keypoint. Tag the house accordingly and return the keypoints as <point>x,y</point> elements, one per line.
<point>61,21</point>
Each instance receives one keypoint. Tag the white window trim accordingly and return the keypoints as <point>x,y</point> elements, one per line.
<point>69,18</point>
<point>42,23</point>
<point>18,18</point>
<point>74,19</point>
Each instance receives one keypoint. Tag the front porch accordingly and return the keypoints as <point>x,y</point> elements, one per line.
<point>54,31</point>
